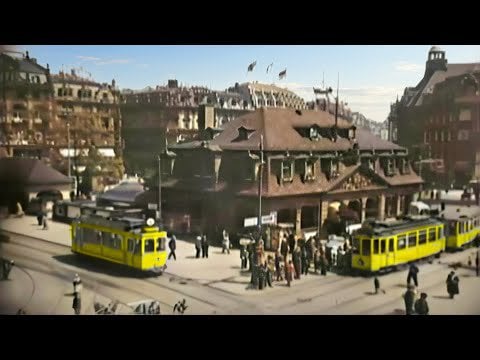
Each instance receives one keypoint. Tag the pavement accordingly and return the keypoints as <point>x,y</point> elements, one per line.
<point>221,271</point>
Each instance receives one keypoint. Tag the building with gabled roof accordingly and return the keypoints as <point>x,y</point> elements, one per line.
<point>310,162</point>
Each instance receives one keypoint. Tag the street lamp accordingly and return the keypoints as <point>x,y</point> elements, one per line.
<point>260,185</point>
<point>159,188</point>
<point>68,141</point>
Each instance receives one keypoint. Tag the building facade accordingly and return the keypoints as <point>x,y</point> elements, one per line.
<point>409,121</point>
<point>311,163</point>
<point>454,123</point>
<point>27,106</point>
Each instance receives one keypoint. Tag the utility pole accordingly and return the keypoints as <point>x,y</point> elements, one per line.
<point>159,189</point>
<point>260,185</point>
<point>336,102</point>
<point>68,141</point>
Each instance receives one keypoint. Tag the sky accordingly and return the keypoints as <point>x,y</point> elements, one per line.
<point>371,76</point>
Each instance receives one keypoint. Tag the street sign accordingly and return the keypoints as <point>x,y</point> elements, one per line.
<point>266,219</point>
<point>152,206</point>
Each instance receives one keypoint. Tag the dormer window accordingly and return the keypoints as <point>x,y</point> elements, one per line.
<point>244,133</point>
<point>389,167</point>
<point>314,133</point>
<point>352,132</point>
<point>330,168</point>
<point>287,170</point>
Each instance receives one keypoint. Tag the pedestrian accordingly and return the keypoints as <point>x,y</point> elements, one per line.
<point>278,268</point>
<point>7,267</point>
<point>289,270</point>
<point>198,246</point>
<point>297,262</point>
<point>323,265</point>
<point>40,217</point>
<point>477,263</point>
<point>77,284</point>
<point>180,306</point>
<point>225,242</point>
<point>421,305</point>
<point>20,212</point>
<point>450,284</point>
<point>77,303</point>
<point>172,244</point>
<point>243,257</point>
<point>45,224</point>
<point>469,262</point>
<point>409,298</point>
<point>376,283</point>
<point>204,246</point>
<point>412,274</point>
<point>270,266</point>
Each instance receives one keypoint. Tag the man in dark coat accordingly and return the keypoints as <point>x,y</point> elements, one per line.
<point>77,303</point>
<point>284,248</point>
<point>409,298</point>
<point>7,266</point>
<point>412,274</point>
<point>172,244</point>
<point>204,246</point>
<point>477,263</point>
<point>450,284</point>
<point>421,305</point>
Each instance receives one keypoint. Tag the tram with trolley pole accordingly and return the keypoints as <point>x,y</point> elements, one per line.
<point>129,241</point>
<point>384,245</point>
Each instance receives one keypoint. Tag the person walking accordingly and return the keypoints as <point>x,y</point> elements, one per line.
<point>289,270</point>
<point>412,274</point>
<point>421,305</point>
<point>204,246</point>
<point>7,266</point>
<point>409,298</point>
<point>77,284</point>
<point>225,242</point>
<point>198,246</point>
<point>243,257</point>
<point>172,244</point>
<point>450,284</point>
<point>77,303</point>
<point>477,263</point>
<point>376,283</point>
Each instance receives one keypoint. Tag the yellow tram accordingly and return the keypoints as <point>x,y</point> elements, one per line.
<point>382,245</point>
<point>463,225</point>
<point>132,242</point>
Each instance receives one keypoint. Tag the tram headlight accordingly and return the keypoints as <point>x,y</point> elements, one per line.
<point>150,222</point>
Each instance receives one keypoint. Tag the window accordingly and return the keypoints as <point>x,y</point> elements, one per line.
<point>366,247</point>
<point>412,239</point>
<point>309,169</point>
<point>401,242</point>
<point>287,170</point>
<point>314,135</point>
<point>432,234</point>
<point>442,136</point>
<point>149,245</point>
<point>452,229</point>
<point>441,232</point>
<point>383,244</point>
<point>78,234</point>
<point>60,92</point>
<point>436,135</point>
<point>356,245</point>
<point>462,135</point>
<point>449,136</point>
<point>375,246</point>
<point>161,244</point>
<point>422,237</point>
<point>391,246</point>
<point>465,115</point>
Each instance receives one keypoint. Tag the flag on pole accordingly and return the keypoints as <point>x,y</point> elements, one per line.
<point>269,67</point>
<point>251,66</point>
<point>282,74</point>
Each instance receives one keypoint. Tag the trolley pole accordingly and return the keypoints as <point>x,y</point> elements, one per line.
<point>159,188</point>
<point>260,185</point>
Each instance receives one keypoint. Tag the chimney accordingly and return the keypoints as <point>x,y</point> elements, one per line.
<point>206,117</point>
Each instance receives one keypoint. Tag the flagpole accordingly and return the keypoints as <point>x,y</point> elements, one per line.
<point>336,101</point>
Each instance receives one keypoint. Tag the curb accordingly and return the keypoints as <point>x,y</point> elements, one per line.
<point>30,236</point>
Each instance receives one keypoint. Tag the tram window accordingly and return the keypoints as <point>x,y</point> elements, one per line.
<point>401,244</point>
<point>440,232</point>
<point>89,235</point>
<point>130,245</point>
<point>78,233</point>
<point>383,244</point>
<point>149,245</point>
<point>412,239</point>
<point>356,246</point>
<point>422,237</point>
<point>452,227</point>
<point>432,234</point>
<point>98,238</point>
<point>366,247</point>
<point>470,225</point>
<point>161,244</point>
<point>375,246</point>
<point>107,239</point>
<point>137,246</point>
<point>115,241</point>
<point>390,245</point>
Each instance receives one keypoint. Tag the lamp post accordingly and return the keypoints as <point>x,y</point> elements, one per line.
<point>159,188</point>
<point>260,185</point>
<point>68,144</point>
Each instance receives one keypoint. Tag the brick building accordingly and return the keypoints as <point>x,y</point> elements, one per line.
<point>431,108</point>
<point>310,163</point>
